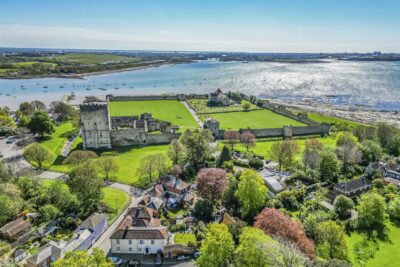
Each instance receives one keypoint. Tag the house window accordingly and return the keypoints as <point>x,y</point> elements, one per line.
<point>130,249</point>
<point>141,242</point>
<point>152,242</point>
<point>130,242</point>
<point>117,241</point>
<point>118,248</point>
<point>140,250</point>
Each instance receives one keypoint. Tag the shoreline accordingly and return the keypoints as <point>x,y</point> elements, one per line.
<point>366,116</point>
<point>82,76</point>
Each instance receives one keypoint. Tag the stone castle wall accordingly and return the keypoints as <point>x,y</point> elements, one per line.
<point>130,137</point>
<point>286,131</point>
<point>180,97</point>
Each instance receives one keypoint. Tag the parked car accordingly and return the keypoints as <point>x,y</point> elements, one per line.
<point>196,254</point>
<point>183,258</point>
<point>133,263</point>
<point>10,140</point>
<point>117,261</point>
<point>158,260</point>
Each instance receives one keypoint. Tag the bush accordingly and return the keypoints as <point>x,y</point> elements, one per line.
<point>203,209</point>
<point>256,163</point>
<point>228,165</point>
<point>177,227</point>
<point>241,163</point>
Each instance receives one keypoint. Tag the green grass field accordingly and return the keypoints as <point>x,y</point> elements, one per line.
<point>115,199</point>
<point>388,253</point>
<point>168,110</point>
<point>332,120</point>
<point>55,143</point>
<point>184,238</point>
<point>129,159</point>
<point>256,119</point>
<point>90,58</point>
<point>200,105</point>
<point>263,146</point>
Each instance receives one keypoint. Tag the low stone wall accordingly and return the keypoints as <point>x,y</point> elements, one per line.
<point>287,113</point>
<point>144,97</point>
<point>130,137</point>
<point>286,131</point>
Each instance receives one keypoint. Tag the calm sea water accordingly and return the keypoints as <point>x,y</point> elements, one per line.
<point>372,84</point>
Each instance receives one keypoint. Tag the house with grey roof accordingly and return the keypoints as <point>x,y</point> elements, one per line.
<point>12,231</point>
<point>97,224</point>
<point>273,180</point>
<point>353,187</point>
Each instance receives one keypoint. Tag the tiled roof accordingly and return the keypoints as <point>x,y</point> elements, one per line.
<point>138,233</point>
<point>15,227</point>
<point>94,220</point>
<point>140,212</point>
<point>354,184</point>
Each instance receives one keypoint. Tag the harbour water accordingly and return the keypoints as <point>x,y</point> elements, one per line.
<point>374,85</point>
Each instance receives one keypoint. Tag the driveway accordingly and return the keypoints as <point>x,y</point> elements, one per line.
<point>13,155</point>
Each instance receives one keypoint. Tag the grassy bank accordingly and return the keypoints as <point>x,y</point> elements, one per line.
<point>256,119</point>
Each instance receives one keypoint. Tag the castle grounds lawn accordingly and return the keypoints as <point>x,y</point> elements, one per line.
<point>256,119</point>
<point>184,238</point>
<point>115,199</point>
<point>129,158</point>
<point>167,110</point>
<point>55,143</point>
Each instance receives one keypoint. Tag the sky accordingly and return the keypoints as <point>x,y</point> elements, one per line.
<point>203,25</point>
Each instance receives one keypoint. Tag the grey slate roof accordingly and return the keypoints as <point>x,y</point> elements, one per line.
<point>149,233</point>
<point>94,220</point>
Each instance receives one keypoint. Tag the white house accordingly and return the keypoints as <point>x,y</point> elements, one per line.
<point>139,240</point>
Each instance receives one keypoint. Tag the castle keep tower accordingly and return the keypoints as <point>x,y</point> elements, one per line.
<point>95,125</point>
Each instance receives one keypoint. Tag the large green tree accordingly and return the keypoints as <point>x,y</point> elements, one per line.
<point>197,148</point>
<point>284,153</point>
<point>81,258</point>
<point>63,110</point>
<point>152,168</point>
<point>252,193</point>
<point>37,155</point>
<point>86,185</point>
<point>371,210</point>
<point>329,166</point>
<point>41,124</point>
<point>217,248</point>
<point>331,241</point>
<point>343,206</point>
<point>255,249</point>
<point>176,152</point>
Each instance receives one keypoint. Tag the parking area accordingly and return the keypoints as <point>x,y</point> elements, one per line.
<point>150,260</point>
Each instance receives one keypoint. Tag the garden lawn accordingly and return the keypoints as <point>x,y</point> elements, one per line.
<point>113,198</point>
<point>263,146</point>
<point>256,119</point>
<point>388,253</point>
<point>129,158</point>
<point>184,238</point>
<point>167,110</point>
<point>116,199</point>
